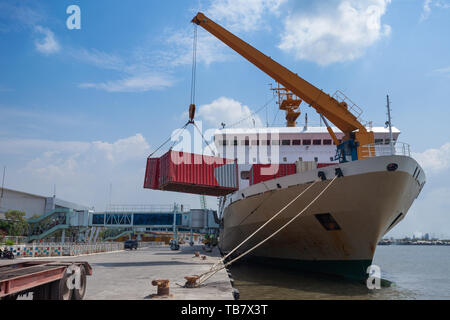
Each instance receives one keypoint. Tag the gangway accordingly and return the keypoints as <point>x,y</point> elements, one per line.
<point>137,218</point>
<point>48,232</point>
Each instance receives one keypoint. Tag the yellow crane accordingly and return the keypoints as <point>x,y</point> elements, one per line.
<point>356,139</point>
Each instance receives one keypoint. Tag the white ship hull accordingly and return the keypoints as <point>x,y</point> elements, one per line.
<point>366,203</point>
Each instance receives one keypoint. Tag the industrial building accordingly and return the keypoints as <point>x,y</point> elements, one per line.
<point>33,204</point>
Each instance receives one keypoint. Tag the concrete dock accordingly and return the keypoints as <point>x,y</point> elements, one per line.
<point>127,275</point>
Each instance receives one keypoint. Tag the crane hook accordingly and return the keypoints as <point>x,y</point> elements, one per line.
<point>191,113</point>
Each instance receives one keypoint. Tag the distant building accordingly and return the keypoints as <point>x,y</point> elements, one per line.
<point>32,204</point>
<point>426,236</point>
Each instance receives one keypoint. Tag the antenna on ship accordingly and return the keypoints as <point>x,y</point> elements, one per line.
<point>306,121</point>
<point>389,124</point>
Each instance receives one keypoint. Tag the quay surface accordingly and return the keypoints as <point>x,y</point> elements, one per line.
<point>127,275</point>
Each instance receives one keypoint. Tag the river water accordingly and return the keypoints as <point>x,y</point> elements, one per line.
<point>416,272</point>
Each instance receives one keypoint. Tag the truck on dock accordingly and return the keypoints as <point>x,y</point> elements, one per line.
<point>47,280</point>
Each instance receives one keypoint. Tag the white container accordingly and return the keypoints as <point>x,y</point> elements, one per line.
<point>303,166</point>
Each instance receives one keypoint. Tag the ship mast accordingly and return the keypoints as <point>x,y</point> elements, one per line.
<point>290,103</point>
<point>389,124</point>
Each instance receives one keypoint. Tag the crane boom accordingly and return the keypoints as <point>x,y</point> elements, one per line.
<point>337,112</point>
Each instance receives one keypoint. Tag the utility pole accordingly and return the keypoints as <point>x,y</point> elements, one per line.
<point>389,124</point>
<point>3,185</point>
<point>110,195</point>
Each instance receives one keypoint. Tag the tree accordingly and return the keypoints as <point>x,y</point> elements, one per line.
<point>17,225</point>
<point>2,233</point>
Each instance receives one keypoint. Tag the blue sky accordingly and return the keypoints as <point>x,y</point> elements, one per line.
<point>83,108</point>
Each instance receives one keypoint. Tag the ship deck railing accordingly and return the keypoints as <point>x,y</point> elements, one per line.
<point>382,149</point>
<point>135,208</point>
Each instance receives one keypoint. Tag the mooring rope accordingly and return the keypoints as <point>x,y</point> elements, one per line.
<point>205,276</point>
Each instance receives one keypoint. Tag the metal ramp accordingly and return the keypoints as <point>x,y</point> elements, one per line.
<point>48,232</point>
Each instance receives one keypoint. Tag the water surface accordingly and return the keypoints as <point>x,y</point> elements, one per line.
<point>417,272</point>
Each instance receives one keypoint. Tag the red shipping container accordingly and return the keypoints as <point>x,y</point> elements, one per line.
<point>265,172</point>
<point>192,173</point>
<point>152,174</point>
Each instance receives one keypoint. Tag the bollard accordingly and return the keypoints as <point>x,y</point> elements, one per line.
<point>191,282</point>
<point>163,287</point>
<point>203,257</point>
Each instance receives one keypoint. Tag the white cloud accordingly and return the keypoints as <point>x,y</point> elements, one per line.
<point>15,16</point>
<point>429,214</point>
<point>136,83</point>
<point>135,75</point>
<point>48,45</point>
<point>429,4</point>
<point>238,16</point>
<point>228,111</point>
<point>443,70</point>
<point>82,171</point>
<point>440,72</point>
<point>426,10</point>
<point>435,160</point>
<point>337,32</point>
<point>135,147</point>
<point>243,15</point>
<point>209,49</point>
<point>98,59</point>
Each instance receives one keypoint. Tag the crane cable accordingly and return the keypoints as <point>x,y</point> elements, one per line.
<point>167,141</point>
<point>192,106</point>
<point>193,77</point>
<point>194,65</point>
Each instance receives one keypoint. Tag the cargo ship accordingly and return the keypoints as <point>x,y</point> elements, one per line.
<point>330,193</point>
<point>339,233</point>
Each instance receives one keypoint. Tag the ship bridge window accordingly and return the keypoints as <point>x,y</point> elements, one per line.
<point>245,142</point>
<point>378,141</point>
<point>387,141</point>
<point>317,142</point>
<point>235,142</point>
<point>223,142</point>
<point>327,142</point>
<point>255,142</point>
<point>275,142</point>
<point>296,142</point>
<point>286,142</point>
<point>306,142</point>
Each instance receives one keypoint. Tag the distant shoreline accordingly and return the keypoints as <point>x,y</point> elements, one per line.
<point>404,242</point>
